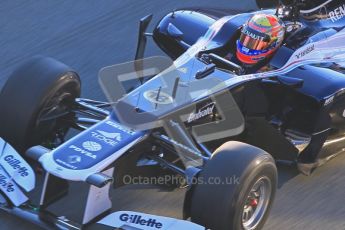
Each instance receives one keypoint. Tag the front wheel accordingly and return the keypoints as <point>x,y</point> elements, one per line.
<point>34,100</point>
<point>243,195</point>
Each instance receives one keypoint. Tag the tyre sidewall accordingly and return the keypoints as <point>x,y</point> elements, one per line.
<point>220,206</point>
<point>26,92</point>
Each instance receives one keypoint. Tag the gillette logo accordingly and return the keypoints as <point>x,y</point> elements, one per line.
<point>16,165</point>
<point>8,186</point>
<point>137,219</point>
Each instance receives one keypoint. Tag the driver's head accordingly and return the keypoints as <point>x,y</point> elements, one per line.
<point>260,37</point>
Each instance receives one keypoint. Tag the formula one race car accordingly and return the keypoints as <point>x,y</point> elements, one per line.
<point>198,116</point>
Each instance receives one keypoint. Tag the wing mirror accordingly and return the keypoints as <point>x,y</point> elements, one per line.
<point>286,81</point>
<point>290,81</point>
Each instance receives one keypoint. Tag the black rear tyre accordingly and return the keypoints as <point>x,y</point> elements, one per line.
<point>34,99</point>
<point>235,204</point>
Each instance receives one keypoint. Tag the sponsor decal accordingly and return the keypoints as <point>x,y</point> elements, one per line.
<point>74,159</point>
<point>307,50</point>
<point>8,186</point>
<point>337,14</point>
<point>10,189</point>
<point>138,219</point>
<point>158,97</point>
<point>120,127</point>
<point>329,100</point>
<point>92,146</point>
<point>116,136</point>
<point>203,112</point>
<point>65,164</point>
<point>252,35</point>
<point>100,136</point>
<point>16,165</point>
<point>82,151</point>
<point>245,49</point>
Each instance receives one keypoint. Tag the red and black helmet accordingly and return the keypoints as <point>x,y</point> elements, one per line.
<point>260,38</point>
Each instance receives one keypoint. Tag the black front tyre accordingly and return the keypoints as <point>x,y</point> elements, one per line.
<point>34,99</point>
<point>227,203</point>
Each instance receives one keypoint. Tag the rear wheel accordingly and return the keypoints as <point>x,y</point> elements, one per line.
<point>34,101</point>
<point>242,203</point>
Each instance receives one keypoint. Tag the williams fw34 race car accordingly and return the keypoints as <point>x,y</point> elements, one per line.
<point>195,114</point>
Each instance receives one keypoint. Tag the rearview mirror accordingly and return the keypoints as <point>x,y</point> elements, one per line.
<point>290,81</point>
<point>286,81</point>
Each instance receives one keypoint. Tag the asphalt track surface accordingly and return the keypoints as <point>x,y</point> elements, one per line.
<point>88,35</point>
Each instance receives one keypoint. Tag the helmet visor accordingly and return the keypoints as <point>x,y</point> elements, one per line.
<point>254,41</point>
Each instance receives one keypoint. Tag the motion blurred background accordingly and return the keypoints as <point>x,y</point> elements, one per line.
<point>88,35</point>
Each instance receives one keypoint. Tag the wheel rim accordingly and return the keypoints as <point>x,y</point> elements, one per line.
<point>53,111</point>
<point>256,203</point>
<point>55,108</point>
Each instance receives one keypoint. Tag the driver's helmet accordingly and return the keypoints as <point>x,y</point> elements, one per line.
<point>260,37</point>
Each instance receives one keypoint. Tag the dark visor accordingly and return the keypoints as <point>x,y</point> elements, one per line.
<point>254,41</point>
